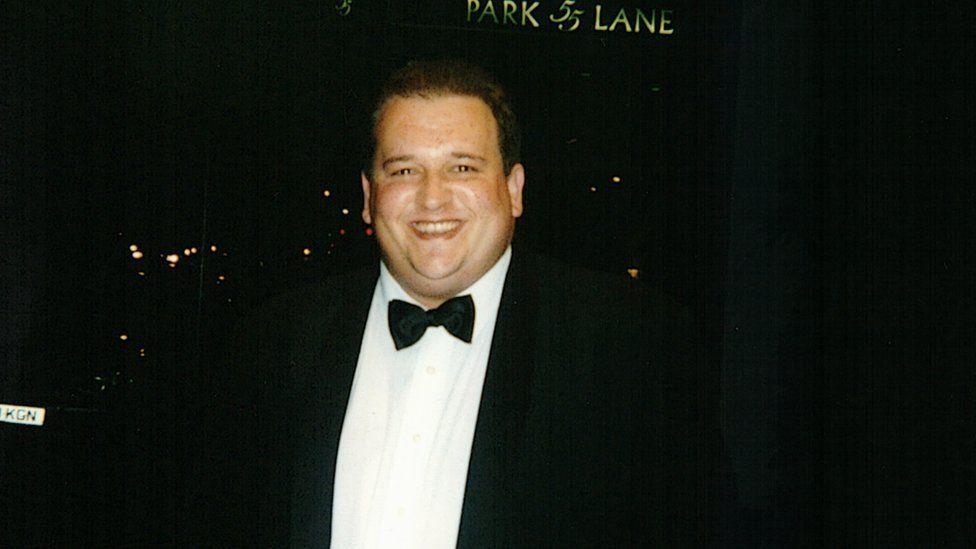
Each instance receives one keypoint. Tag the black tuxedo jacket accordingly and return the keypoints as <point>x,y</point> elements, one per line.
<point>576,442</point>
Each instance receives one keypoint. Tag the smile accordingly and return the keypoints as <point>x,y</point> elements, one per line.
<point>435,228</point>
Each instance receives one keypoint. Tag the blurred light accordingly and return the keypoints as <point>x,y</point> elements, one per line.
<point>213,248</point>
<point>137,255</point>
<point>615,179</point>
<point>173,258</point>
<point>342,231</point>
<point>141,273</point>
<point>369,231</point>
<point>345,211</point>
<point>326,193</point>
<point>633,273</point>
<point>307,251</point>
<point>123,337</point>
<point>142,352</point>
<point>186,251</point>
<point>221,278</point>
<point>193,250</point>
<point>592,189</point>
<point>133,248</point>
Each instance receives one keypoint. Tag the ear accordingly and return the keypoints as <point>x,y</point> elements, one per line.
<point>366,215</point>
<point>515,182</point>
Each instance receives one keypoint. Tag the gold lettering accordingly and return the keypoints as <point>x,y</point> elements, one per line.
<point>665,21</point>
<point>509,8</point>
<point>489,7</point>
<point>473,6</point>
<point>596,21</point>
<point>620,18</point>
<point>527,13</point>
<point>642,17</point>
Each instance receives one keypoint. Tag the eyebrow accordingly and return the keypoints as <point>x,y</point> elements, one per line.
<point>395,159</point>
<point>464,155</point>
<point>409,157</point>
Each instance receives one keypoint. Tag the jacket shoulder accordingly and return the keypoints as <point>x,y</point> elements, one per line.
<point>320,300</point>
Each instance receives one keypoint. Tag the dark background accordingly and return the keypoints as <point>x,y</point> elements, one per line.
<point>799,178</point>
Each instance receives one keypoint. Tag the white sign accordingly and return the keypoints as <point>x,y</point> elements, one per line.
<point>25,415</point>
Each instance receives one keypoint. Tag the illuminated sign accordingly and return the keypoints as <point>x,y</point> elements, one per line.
<point>571,16</point>
<point>24,415</point>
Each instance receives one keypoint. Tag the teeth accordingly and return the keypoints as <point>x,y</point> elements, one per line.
<point>436,227</point>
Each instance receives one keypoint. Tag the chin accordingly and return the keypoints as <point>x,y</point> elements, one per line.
<point>437,272</point>
<point>437,264</point>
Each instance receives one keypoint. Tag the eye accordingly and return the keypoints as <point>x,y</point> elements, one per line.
<point>403,171</point>
<point>464,168</point>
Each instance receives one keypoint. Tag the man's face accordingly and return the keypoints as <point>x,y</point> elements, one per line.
<point>441,204</point>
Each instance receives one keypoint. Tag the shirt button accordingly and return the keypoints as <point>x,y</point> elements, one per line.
<point>431,370</point>
<point>416,438</point>
<point>400,511</point>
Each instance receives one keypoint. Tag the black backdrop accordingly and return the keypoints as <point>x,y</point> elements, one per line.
<point>797,179</point>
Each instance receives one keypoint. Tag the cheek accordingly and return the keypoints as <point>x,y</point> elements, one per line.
<point>391,203</point>
<point>485,200</point>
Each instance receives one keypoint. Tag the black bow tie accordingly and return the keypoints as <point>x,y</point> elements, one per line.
<point>409,322</point>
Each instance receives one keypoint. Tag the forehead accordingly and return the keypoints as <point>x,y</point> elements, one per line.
<point>438,118</point>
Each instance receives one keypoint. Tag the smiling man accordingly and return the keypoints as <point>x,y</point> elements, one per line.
<point>463,391</point>
<point>440,194</point>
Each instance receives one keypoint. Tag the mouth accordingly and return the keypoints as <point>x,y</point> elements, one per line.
<point>436,229</point>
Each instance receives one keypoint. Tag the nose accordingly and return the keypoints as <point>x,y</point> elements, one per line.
<point>434,192</point>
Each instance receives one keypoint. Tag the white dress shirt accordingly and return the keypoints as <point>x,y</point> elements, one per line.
<point>406,439</point>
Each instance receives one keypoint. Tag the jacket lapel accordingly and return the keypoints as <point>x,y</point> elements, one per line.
<point>325,355</point>
<point>486,515</point>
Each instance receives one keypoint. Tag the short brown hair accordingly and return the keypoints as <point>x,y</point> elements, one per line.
<point>432,78</point>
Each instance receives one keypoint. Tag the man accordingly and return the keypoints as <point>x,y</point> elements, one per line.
<point>461,392</point>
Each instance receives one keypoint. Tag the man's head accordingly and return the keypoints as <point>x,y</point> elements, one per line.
<point>443,186</point>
